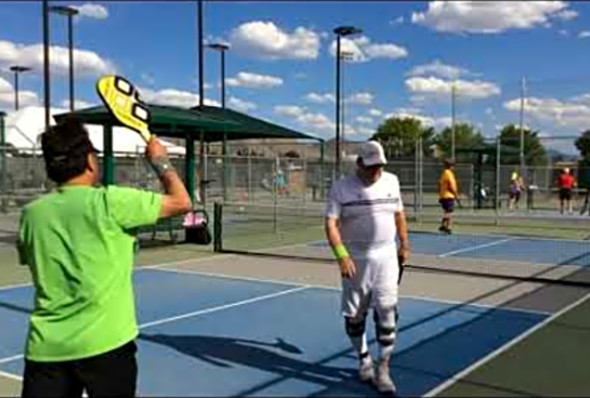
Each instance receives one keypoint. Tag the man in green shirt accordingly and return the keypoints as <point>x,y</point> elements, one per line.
<point>79,244</point>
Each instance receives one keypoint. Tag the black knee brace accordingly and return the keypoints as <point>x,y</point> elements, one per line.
<point>385,334</point>
<point>354,329</point>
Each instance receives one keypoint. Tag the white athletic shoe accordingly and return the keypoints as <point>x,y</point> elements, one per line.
<point>366,371</point>
<point>383,381</point>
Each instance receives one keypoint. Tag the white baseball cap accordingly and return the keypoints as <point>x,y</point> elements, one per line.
<point>372,154</point>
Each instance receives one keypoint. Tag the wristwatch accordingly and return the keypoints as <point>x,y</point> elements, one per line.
<point>161,165</point>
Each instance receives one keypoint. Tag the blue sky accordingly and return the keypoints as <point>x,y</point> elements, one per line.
<point>281,62</point>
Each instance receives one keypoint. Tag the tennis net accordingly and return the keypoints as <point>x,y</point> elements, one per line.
<point>298,233</point>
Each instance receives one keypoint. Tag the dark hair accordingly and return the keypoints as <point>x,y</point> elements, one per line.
<point>65,149</point>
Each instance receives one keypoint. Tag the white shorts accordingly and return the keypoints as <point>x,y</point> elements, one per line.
<point>374,284</point>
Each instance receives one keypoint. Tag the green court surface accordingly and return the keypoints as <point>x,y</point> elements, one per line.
<point>551,362</point>
<point>548,360</point>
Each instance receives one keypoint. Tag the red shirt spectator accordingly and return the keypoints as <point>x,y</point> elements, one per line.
<point>566,181</point>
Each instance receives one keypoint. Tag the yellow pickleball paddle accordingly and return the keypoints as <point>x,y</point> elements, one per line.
<point>122,99</point>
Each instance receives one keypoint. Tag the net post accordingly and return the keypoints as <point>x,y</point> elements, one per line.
<point>3,165</point>
<point>217,227</point>
<point>416,175</point>
<point>497,180</point>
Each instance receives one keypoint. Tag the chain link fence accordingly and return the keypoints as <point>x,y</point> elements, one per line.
<point>304,177</point>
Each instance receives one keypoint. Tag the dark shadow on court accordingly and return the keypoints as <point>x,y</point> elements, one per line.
<point>278,357</point>
<point>17,308</point>
<point>8,239</point>
<point>419,368</point>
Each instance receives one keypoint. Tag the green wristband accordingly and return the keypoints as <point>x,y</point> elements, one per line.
<point>340,252</point>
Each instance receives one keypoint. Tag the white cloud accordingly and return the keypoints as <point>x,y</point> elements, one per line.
<point>148,78</point>
<point>252,80</point>
<point>563,32</point>
<point>360,99</point>
<point>437,68</point>
<point>362,50</point>
<point>391,51</point>
<point>316,122</point>
<point>573,113</point>
<point>375,112</point>
<point>364,120</point>
<point>567,15</point>
<point>173,97</point>
<point>320,98</point>
<point>584,34</point>
<point>266,40</point>
<point>413,113</point>
<point>241,105</point>
<point>489,17</point>
<point>289,110</point>
<point>397,21</point>
<point>361,130</point>
<point>25,98</point>
<point>78,104</point>
<point>5,85</point>
<point>427,87</point>
<point>87,63</point>
<point>91,10</point>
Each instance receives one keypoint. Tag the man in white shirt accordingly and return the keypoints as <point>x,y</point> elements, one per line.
<point>364,216</point>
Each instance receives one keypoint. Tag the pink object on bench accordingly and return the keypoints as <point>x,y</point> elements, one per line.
<point>192,220</point>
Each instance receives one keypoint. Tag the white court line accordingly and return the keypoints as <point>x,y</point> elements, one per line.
<point>197,313</point>
<point>222,307</point>
<point>488,235</point>
<point>11,376</point>
<point>140,267</point>
<point>471,248</point>
<point>458,376</point>
<point>15,286</point>
<point>235,277</point>
<point>10,359</point>
<point>335,288</point>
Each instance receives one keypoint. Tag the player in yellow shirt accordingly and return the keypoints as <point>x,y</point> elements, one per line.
<point>448,192</point>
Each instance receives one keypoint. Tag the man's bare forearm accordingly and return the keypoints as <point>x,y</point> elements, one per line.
<point>402,228</point>
<point>332,232</point>
<point>176,199</point>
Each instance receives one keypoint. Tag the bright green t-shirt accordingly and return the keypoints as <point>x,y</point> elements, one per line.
<point>79,244</point>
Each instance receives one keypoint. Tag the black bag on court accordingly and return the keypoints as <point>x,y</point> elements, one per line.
<point>196,228</point>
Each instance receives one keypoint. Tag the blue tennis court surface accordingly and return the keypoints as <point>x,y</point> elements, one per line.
<point>215,336</point>
<point>544,251</point>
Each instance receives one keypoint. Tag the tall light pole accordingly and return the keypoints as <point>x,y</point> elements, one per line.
<point>46,82</point>
<point>346,56</point>
<point>340,32</point>
<point>522,96</point>
<point>453,99</point>
<point>17,69</point>
<point>69,13</point>
<point>190,142</point>
<point>222,48</point>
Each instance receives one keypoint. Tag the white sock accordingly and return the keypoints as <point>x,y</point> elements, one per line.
<point>385,352</point>
<point>360,344</point>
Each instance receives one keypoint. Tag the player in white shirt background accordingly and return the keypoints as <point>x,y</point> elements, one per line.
<point>364,216</point>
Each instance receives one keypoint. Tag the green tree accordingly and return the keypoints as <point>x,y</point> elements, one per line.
<point>291,154</point>
<point>583,145</point>
<point>466,137</point>
<point>535,153</point>
<point>399,137</point>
